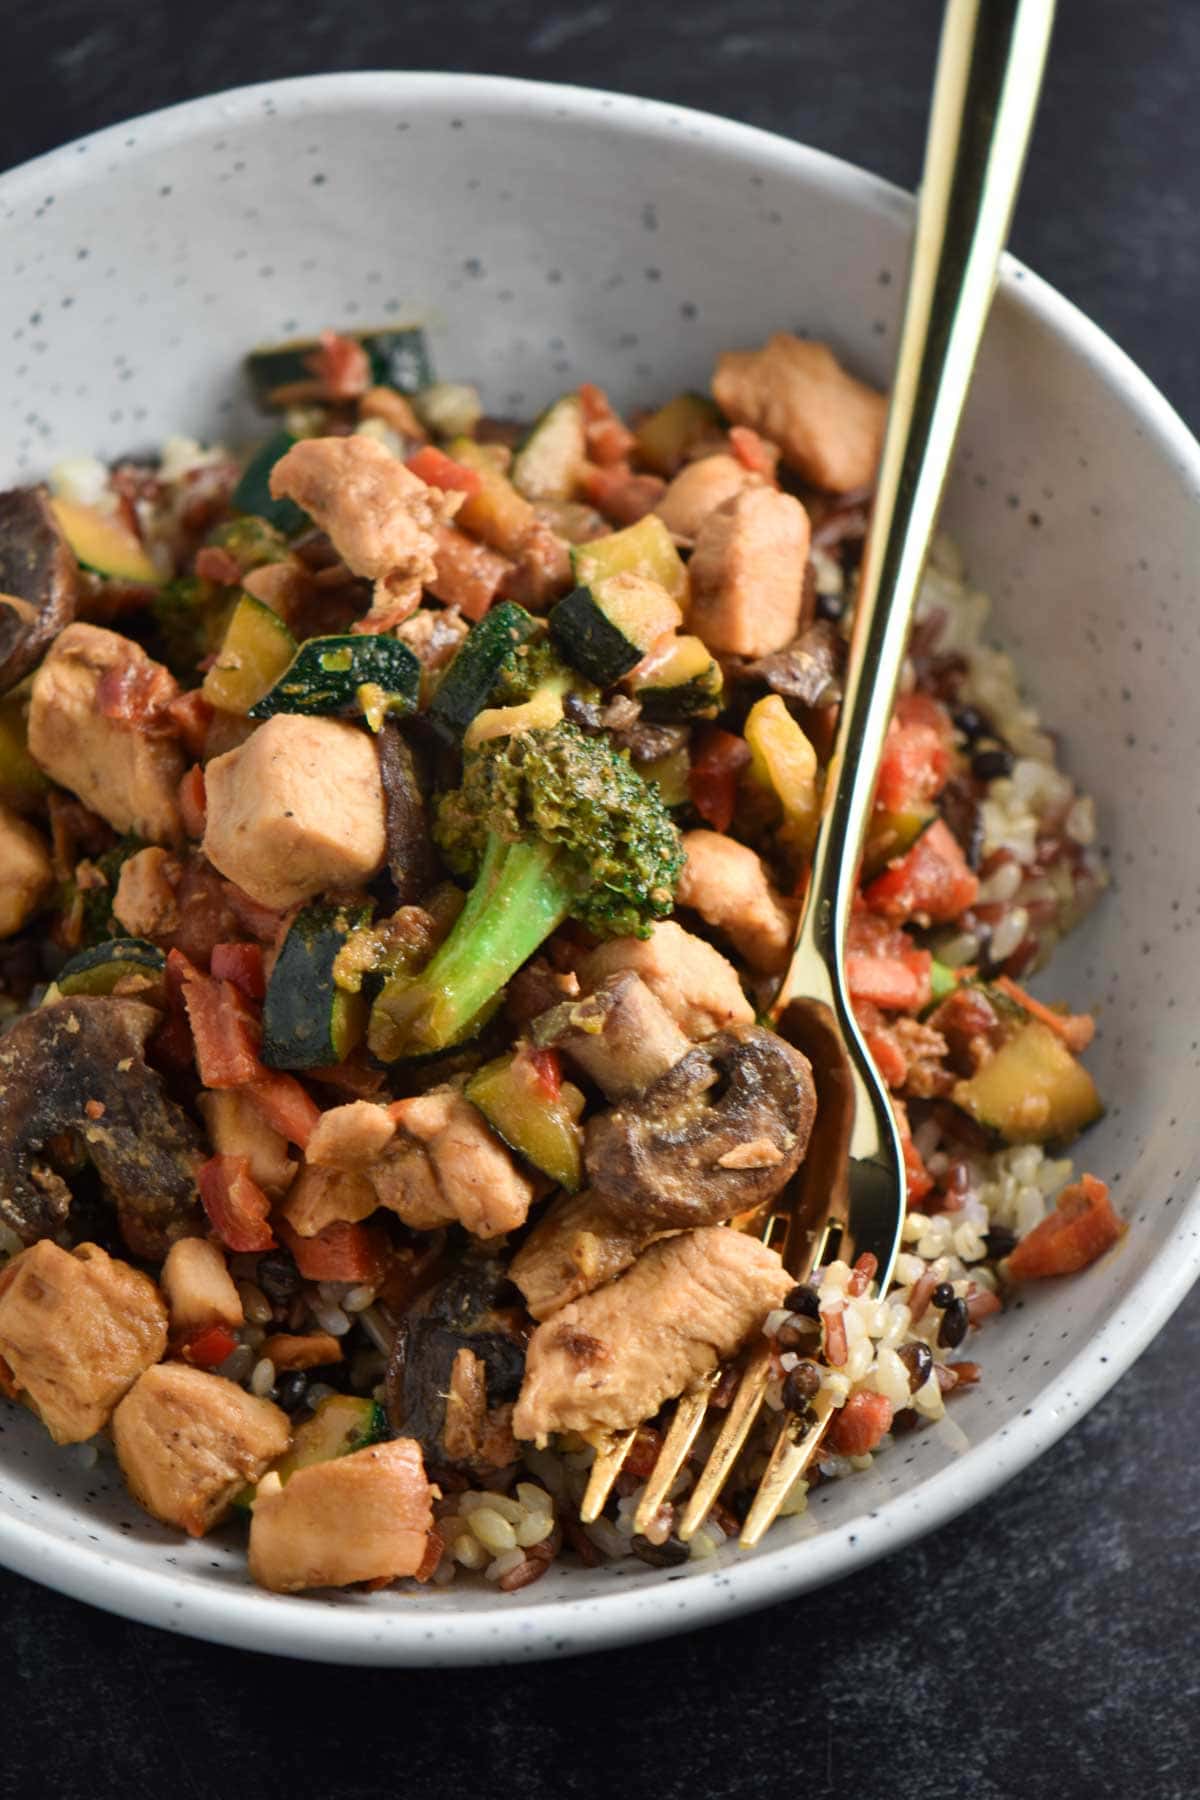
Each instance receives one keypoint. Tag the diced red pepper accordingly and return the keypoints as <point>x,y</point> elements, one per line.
<point>172,1042</point>
<point>216,564</point>
<point>208,1347</point>
<point>341,1252</point>
<point>286,1106</point>
<point>718,757</point>
<point>341,365</point>
<point>191,714</point>
<point>441,471</point>
<point>618,493</point>
<point>237,1208</point>
<point>1082,1227</point>
<point>193,802</point>
<point>932,882</point>
<point>895,983</point>
<point>469,574</point>
<point>858,1426</point>
<point>916,753</point>
<point>225,1030</point>
<point>547,1072</point>
<point>243,965</point>
<point>754,452</point>
<point>609,440</point>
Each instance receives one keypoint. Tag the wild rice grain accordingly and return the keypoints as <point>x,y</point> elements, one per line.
<point>262,1379</point>
<point>493,1531</point>
<point>330,1318</point>
<point>358,1299</point>
<point>504,1564</point>
<point>255,1305</point>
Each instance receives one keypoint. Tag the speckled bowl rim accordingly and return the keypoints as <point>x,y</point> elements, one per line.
<point>259,1621</point>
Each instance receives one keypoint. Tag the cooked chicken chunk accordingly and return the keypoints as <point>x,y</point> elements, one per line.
<point>146,902</point>
<point>828,425</point>
<point>448,1166</point>
<point>237,1128</point>
<point>297,809</point>
<point>76,1331</point>
<point>613,1358</point>
<point>728,885</point>
<point>187,1442</point>
<point>379,515</point>
<point>691,978</point>
<point>699,488</point>
<point>198,1288</point>
<point>574,1247</point>
<point>747,573</point>
<point>321,1197</point>
<point>26,873</point>
<point>130,777</point>
<point>362,1517</point>
<point>352,1136</point>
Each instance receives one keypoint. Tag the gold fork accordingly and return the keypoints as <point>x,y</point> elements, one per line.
<point>848,1198</point>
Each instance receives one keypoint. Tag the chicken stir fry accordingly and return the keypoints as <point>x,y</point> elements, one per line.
<point>402,832</point>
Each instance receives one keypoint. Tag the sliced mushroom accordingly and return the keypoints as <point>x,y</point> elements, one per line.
<point>77,1068</point>
<point>410,857</point>
<point>808,670</point>
<point>622,1035</point>
<point>718,1134</point>
<point>458,1406</point>
<point>39,581</point>
<point>576,1245</point>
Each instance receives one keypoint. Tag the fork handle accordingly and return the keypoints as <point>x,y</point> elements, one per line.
<point>988,77</point>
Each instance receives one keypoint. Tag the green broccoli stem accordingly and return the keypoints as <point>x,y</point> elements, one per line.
<point>522,893</point>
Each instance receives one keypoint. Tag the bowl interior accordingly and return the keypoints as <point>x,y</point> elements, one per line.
<point>548,236</point>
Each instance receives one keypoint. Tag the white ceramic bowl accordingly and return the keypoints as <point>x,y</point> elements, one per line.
<point>548,235</point>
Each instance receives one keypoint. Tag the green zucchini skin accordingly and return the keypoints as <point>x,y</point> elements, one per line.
<point>253,492</point>
<point>399,358</point>
<point>326,673</point>
<point>308,1021</point>
<point>586,637</point>
<point>467,685</point>
<point>97,971</point>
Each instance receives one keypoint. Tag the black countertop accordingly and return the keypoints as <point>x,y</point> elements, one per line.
<point>1044,1644</point>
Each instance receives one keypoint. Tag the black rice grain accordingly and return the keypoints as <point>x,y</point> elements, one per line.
<point>953,1328</point>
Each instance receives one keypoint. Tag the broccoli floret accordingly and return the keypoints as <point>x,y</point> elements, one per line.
<point>189,622</point>
<point>251,541</point>
<point>530,667</point>
<point>550,824</point>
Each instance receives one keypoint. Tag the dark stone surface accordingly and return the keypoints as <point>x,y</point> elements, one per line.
<point>1044,1644</point>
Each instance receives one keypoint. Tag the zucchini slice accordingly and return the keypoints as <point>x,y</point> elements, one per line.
<point>646,548</point>
<point>253,492</point>
<point>893,834</point>
<point>341,1424</point>
<point>102,544</point>
<point>97,971</point>
<point>367,674</point>
<point>546,466</point>
<point>664,439</point>
<point>466,687</point>
<point>255,651</point>
<point>542,1129</point>
<point>308,1021</point>
<point>398,355</point>
<point>679,682</point>
<point>606,628</point>
<point>1032,1091</point>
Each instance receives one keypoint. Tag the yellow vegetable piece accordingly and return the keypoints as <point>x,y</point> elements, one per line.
<point>1032,1091</point>
<point>103,543</point>
<point>784,763</point>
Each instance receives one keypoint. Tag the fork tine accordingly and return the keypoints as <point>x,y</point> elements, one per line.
<point>789,1459</point>
<point>610,1459</point>
<point>738,1420</point>
<point>690,1414</point>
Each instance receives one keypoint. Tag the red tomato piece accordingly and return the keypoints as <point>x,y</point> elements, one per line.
<point>209,1347</point>
<point>932,882</point>
<point>618,493</point>
<point>858,1426</point>
<point>243,965</point>
<point>718,757</point>
<point>895,983</point>
<point>468,575</point>
<point>1082,1227</point>
<point>441,471</point>
<point>286,1106</point>
<point>237,1208</point>
<point>341,1252</point>
<point>916,753</point>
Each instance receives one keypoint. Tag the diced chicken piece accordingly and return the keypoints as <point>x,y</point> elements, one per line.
<point>187,1442</point>
<point>828,425</point>
<point>146,902</point>
<point>321,1197</point>
<point>435,633</point>
<point>379,515</point>
<point>728,885</point>
<point>362,1517</point>
<point>304,1350</point>
<point>198,1288</point>
<point>613,1358</point>
<point>297,810</point>
<point>26,872</point>
<point>352,1136</point>
<point>76,1331</point>
<point>574,1247</point>
<point>621,1035</point>
<point>747,573</point>
<point>449,1167</point>
<point>691,978</point>
<point>128,775</point>
<point>237,1128</point>
<point>699,488</point>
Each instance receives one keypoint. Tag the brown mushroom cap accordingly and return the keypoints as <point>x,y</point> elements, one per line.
<point>38,567</point>
<point>716,1135</point>
<point>145,1149</point>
